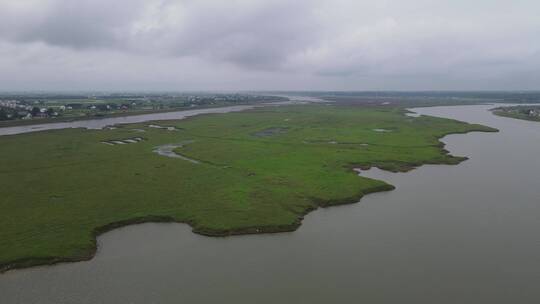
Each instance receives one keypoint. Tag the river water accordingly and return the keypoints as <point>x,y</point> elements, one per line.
<point>104,122</point>
<point>101,123</point>
<point>448,234</point>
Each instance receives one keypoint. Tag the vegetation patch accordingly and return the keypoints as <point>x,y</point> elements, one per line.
<point>270,132</point>
<point>64,187</point>
<point>334,142</point>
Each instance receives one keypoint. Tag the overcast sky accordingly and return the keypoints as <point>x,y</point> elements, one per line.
<point>269,44</point>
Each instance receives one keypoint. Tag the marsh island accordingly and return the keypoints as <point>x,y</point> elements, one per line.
<point>256,171</point>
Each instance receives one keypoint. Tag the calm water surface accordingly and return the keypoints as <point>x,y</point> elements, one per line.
<point>104,122</point>
<point>448,234</point>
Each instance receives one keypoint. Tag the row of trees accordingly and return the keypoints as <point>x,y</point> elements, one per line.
<point>4,115</point>
<point>9,114</point>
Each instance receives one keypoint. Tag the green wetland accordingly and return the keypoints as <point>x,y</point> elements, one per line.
<point>247,172</point>
<point>447,234</point>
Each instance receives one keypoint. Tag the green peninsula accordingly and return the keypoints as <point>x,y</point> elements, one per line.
<point>257,171</point>
<point>523,112</point>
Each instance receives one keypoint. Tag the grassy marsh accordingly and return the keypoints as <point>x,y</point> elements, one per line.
<point>62,188</point>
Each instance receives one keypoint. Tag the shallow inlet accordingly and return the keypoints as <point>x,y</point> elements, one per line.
<point>447,234</point>
<point>168,151</point>
<point>108,122</point>
<point>412,114</point>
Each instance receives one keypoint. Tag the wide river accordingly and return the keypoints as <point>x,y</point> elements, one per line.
<point>448,234</point>
<point>109,121</point>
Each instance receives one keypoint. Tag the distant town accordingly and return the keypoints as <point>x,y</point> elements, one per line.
<point>519,112</point>
<point>14,107</point>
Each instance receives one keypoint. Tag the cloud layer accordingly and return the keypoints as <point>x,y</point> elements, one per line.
<point>269,44</point>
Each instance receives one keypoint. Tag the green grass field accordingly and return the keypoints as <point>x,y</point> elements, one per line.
<point>257,171</point>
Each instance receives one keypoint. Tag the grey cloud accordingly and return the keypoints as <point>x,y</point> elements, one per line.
<point>76,24</point>
<point>273,44</point>
<point>261,36</point>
